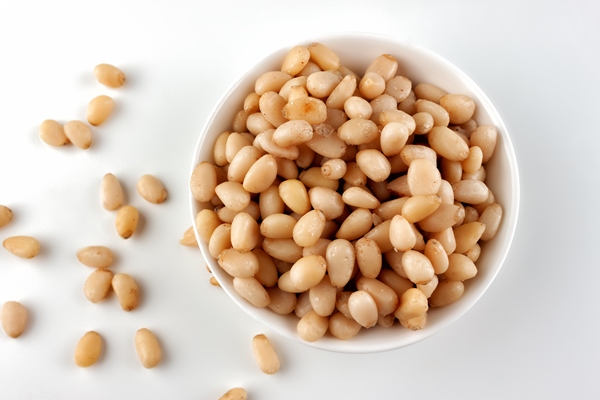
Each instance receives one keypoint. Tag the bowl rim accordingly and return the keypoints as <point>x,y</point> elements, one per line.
<point>509,224</point>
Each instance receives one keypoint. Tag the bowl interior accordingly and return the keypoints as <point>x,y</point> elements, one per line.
<point>356,51</point>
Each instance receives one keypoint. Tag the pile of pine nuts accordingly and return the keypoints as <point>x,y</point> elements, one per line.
<point>13,315</point>
<point>350,200</point>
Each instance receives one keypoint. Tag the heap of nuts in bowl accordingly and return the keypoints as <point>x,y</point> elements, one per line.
<point>349,200</point>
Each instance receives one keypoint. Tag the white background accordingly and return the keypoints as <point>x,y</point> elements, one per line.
<point>534,334</point>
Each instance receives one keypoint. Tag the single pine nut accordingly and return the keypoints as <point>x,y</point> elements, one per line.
<point>343,327</point>
<point>281,302</point>
<point>126,221</point>
<point>271,104</point>
<point>491,217</point>
<point>53,133</point>
<point>265,355</point>
<point>22,246</point>
<point>470,191</point>
<point>206,223</point>
<point>374,164</point>
<point>445,216</point>
<point>97,285</point>
<point>282,249</point>
<point>88,350</point>
<point>393,138</point>
<point>358,131</point>
<point>439,114</point>
<point>446,292</point>
<point>359,197</point>
<point>467,235</point>
<point>323,56</point>
<point>357,224</point>
<point>447,143</point>
<point>267,273</point>
<point>460,268</point>
<point>437,255</point>
<point>308,229</point>
<point>78,133</point>
<point>99,109</point>
<point>342,92</point>
<point>147,348</point>
<point>368,257</point>
<point>127,291</point>
<point>417,267</point>
<point>429,92</point>
<point>14,317</point>
<point>363,308</point>
<point>459,106</point>
<point>95,256</point>
<point>310,109</point>
<point>371,85</point>
<point>238,264</point>
<point>151,189</point>
<point>109,75</point>
<point>111,192</point>
<point>295,60</point>
<point>312,326</point>
<point>423,177</point>
<point>220,239</point>
<point>271,81</point>
<point>233,195</point>
<point>251,290</point>
<point>322,83</point>
<point>245,234</point>
<point>308,271</point>
<point>295,196</point>
<point>399,87</point>
<point>402,235</point>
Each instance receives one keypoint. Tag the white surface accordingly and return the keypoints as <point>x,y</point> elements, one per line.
<point>532,335</point>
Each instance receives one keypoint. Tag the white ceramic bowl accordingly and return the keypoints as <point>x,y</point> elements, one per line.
<point>356,51</point>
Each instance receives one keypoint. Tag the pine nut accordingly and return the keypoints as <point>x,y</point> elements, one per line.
<point>265,355</point>
<point>111,192</point>
<point>147,348</point>
<point>126,221</point>
<point>22,246</point>
<point>98,285</point>
<point>88,350</point>
<point>14,317</point>
<point>127,291</point>
<point>99,109</point>
<point>151,189</point>
<point>53,133</point>
<point>95,256</point>
<point>109,75</point>
<point>78,133</point>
